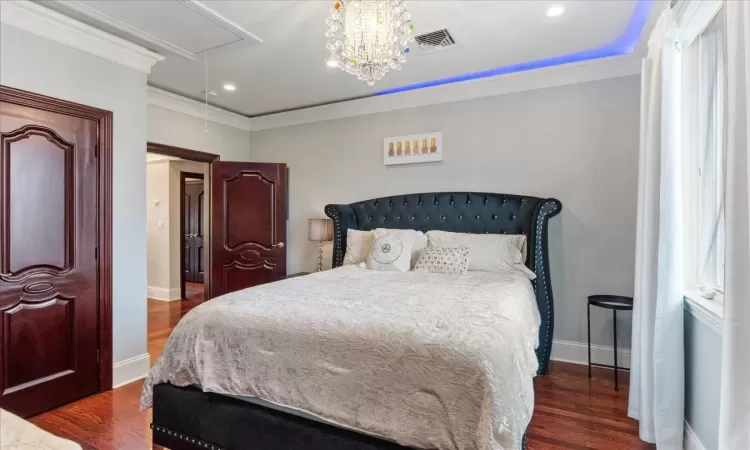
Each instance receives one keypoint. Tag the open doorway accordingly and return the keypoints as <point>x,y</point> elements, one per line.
<point>193,226</point>
<point>171,245</point>
<point>177,225</point>
<point>178,232</point>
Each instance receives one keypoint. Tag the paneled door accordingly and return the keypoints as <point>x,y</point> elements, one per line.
<point>193,225</point>
<point>48,258</point>
<point>248,225</point>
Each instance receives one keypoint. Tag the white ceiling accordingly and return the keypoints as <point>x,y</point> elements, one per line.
<point>193,32</point>
<point>288,71</point>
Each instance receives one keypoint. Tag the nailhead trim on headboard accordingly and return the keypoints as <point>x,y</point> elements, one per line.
<point>338,245</point>
<point>455,211</point>
<point>541,268</point>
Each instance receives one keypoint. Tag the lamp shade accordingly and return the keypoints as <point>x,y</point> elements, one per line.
<point>320,230</point>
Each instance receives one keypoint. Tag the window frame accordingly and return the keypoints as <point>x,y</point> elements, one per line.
<point>694,18</point>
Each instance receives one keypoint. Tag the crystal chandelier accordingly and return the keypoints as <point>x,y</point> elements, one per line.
<point>367,38</point>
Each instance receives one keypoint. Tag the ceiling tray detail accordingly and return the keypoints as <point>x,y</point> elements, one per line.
<point>185,28</point>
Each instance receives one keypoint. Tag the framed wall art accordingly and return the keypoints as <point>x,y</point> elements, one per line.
<point>413,148</point>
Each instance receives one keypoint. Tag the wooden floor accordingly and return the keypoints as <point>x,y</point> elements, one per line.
<point>163,316</point>
<point>571,412</point>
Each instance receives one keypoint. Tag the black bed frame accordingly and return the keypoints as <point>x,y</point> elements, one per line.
<point>188,418</point>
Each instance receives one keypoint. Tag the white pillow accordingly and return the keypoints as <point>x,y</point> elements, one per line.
<point>391,250</point>
<point>358,244</point>
<point>420,243</point>
<point>489,252</point>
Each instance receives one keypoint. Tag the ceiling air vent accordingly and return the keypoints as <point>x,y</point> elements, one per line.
<point>435,40</point>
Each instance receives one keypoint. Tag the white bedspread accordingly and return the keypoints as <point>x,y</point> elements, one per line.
<point>426,360</point>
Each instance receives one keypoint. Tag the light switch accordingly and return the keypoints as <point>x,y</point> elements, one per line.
<point>157,203</point>
<point>160,225</point>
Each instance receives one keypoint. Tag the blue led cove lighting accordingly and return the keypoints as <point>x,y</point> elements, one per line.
<point>623,45</point>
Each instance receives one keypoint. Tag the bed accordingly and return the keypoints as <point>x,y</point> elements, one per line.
<point>315,398</point>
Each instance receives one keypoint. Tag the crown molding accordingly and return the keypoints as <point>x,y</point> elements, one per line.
<point>177,103</point>
<point>600,69</point>
<point>44,22</point>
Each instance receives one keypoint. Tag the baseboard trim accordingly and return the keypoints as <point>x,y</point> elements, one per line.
<point>129,370</point>
<point>164,294</point>
<point>692,441</point>
<point>577,353</point>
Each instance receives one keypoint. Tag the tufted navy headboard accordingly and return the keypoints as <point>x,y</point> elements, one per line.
<point>463,212</point>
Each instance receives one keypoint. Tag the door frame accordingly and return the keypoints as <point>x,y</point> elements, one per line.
<point>183,177</point>
<point>197,156</point>
<point>103,151</point>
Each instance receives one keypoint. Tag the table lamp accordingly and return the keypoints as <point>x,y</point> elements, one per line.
<point>320,230</point>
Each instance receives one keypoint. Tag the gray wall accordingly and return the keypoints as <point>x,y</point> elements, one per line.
<point>702,380</point>
<point>578,143</point>
<point>39,65</point>
<point>180,130</point>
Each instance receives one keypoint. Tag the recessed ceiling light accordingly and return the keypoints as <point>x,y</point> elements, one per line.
<point>230,87</point>
<point>555,10</point>
<point>332,63</point>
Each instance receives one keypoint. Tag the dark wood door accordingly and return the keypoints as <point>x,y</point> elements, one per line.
<point>193,217</point>
<point>48,259</point>
<point>248,225</point>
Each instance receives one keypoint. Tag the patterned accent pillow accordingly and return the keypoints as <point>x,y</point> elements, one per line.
<point>391,250</point>
<point>444,260</point>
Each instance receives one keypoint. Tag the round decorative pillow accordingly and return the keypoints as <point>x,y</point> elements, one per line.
<point>391,249</point>
<point>387,249</point>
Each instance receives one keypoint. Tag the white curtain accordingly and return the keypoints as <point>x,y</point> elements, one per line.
<point>657,362</point>
<point>734,418</point>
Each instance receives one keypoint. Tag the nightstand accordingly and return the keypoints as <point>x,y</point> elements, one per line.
<point>615,303</point>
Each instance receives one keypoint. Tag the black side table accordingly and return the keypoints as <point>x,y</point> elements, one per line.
<point>615,303</point>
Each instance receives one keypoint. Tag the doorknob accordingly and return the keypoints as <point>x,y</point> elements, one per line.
<point>280,244</point>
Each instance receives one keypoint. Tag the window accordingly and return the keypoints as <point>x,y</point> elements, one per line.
<point>703,87</point>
